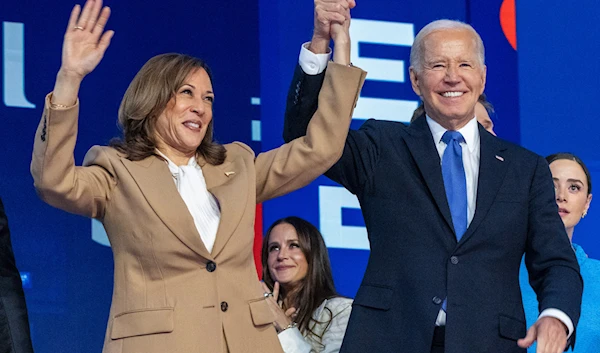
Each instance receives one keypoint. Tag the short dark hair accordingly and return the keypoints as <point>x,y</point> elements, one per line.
<point>318,282</point>
<point>147,97</point>
<point>571,157</point>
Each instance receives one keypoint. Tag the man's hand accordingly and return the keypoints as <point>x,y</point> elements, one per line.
<point>328,12</point>
<point>550,334</point>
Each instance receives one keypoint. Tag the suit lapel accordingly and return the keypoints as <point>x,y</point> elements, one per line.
<point>228,184</point>
<point>156,183</point>
<point>493,165</point>
<point>422,147</point>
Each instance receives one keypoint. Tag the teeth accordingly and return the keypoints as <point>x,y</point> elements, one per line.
<point>192,125</point>
<point>452,94</point>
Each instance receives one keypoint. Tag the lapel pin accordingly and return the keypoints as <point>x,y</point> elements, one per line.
<point>501,159</point>
<point>229,173</point>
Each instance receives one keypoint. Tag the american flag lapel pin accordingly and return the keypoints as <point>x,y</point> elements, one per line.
<point>501,159</point>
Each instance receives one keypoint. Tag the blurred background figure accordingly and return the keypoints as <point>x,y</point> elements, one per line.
<point>14,322</point>
<point>310,315</point>
<point>573,186</point>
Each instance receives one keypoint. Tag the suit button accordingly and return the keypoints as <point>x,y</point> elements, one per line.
<point>436,300</point>
<point>211,266</point>
<point>224,306</point>
<point>454,260</point>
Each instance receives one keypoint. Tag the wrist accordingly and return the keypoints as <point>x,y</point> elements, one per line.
<point>319,45</point>
<point>290,325</point>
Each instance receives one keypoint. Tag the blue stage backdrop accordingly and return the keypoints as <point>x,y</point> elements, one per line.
<point>382,33</point>
<point>65,262</point>
<point>69,283</point>
<point>558,88</point>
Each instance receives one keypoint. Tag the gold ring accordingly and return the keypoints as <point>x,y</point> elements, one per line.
<point>78,27</point>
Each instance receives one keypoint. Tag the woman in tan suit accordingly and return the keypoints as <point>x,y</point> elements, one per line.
<point>178,207</point>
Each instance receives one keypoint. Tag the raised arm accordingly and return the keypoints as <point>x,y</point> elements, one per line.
<point>83,47</point>
<point>331,21</point>
<point>302,160</point>
<point>57,180</point>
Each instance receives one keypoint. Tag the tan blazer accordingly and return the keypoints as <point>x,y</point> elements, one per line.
<point>170,294</point>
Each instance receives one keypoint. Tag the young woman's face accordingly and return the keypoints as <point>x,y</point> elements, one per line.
<point>286,261</point>
<point>570,184</point>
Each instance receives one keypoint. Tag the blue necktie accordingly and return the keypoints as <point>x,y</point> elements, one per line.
<point>455,183</point>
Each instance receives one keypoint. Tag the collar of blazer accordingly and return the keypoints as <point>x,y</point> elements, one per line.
<point>492,171</point>
<point>155,181</point>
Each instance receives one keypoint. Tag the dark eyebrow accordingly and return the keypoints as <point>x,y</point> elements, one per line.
<point>570,180</point>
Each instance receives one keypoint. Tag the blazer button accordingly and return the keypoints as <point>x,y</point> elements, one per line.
<point>224,306</point>
<point>211,266</point>
<point>436,300</point>
<point>454,260</point>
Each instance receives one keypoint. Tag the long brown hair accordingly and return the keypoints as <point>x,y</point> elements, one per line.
<point>317,285</point>
<point>147,97</point>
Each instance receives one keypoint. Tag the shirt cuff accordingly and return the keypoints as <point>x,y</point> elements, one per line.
<point>292,341</point>
<point>311,63</point>
<point>560,315</point>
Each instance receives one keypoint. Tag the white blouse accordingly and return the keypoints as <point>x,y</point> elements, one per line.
<point>329,335</point>
<point>203,206</point>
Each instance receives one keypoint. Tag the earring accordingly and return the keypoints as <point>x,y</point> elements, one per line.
<point>584,214</point>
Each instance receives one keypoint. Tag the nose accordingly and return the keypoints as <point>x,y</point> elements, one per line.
<point>560,194</point>
<point>452,74</point>
<point>197,108</point>
<point>282,254</point>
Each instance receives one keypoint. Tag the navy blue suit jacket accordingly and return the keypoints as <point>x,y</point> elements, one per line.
<point>415,260</point>
<point>14,323</point>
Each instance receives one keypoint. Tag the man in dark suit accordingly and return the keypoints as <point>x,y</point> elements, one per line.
<point>450,210</point>
<point>14,323</point>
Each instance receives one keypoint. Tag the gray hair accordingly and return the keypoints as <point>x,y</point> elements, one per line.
<point>416,52</point>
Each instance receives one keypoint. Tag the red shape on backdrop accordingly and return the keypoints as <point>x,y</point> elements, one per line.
<point>258,231</point>
<point>508,22</point>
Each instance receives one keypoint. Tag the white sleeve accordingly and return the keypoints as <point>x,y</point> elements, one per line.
<point>292,341</point>
<point>311,63</point>
<point>561,316</point>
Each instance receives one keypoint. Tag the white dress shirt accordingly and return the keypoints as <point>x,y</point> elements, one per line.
<point>314,64</point>
<point>203,206</point>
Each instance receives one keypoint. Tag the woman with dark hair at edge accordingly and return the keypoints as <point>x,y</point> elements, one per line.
<point>310,316</point>
<point>177,206</point>
<point>573,186</point>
